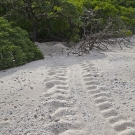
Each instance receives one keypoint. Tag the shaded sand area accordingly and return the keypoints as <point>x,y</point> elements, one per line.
<point>70,95</point>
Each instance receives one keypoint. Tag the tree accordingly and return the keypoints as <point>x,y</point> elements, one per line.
<point>47,20</point>
<point>37,13</point>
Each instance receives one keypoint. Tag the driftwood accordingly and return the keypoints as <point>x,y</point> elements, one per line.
<point>99,33</point>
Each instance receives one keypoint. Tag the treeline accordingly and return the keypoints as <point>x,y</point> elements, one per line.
<point>24,21</point>
<point>47,20</point>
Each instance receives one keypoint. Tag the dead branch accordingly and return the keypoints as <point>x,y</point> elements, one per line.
<point>99,33</point>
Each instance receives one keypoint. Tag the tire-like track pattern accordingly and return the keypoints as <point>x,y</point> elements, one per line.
<point>63,115</point>
<point>103,101</point>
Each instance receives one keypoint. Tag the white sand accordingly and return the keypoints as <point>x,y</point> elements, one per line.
<point>69,95</point>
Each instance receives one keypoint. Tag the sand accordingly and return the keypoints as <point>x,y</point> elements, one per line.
<point>69,95</point>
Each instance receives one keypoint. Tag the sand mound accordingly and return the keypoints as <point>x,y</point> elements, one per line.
<point>52,48</point>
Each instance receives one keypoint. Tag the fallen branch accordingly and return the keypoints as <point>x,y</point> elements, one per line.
<point>98,34</point>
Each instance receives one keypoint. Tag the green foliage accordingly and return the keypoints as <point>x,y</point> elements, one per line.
<point>78,4</point>
<point>60,19</point>
<point>51,17</point>
<point>105,9</point>
<point>126,32</point>
<point>3,9</point>
<point>113,8</point>
<point>15,47</point>
<point>124,3</point>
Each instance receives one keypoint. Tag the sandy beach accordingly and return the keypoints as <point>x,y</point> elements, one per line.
<point>92,94</point>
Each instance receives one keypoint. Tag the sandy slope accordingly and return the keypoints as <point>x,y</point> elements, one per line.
<point>70,95</point>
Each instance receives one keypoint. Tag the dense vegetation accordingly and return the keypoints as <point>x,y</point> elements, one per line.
<point>47,20</point>
<point>15,47</point>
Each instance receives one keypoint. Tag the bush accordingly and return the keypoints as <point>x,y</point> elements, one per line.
<point>15,47</point>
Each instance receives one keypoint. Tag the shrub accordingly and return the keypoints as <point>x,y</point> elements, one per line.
<point>15,47</point>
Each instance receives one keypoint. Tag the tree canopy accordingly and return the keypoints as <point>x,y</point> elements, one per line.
<point>47,20</point>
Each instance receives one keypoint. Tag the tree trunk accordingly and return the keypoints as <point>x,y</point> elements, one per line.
<point>34,33</point>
